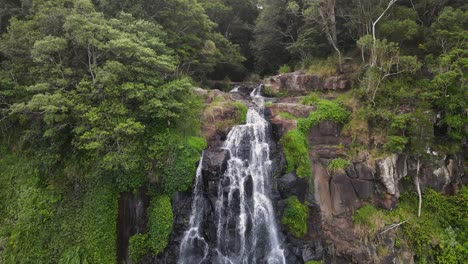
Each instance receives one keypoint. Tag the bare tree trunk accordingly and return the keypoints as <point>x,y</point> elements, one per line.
<point>418,189</point>
<point>373,51</point>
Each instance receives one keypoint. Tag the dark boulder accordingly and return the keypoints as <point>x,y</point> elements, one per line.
<point>290,184</point>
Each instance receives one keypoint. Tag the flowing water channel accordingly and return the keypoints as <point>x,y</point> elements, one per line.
<point>246,228</point>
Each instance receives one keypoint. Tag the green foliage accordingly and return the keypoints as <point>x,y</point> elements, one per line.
<point>241,112</point>
<point>284,69</point>
<point>310,99</point>
<point>287,115</point>
<point>160,219</point>
<point>79,226</point>
<point>362,216</point>
<point>338,165</point>
<point>296,153</point>
<point>314,262</point>
<point>175,158</point>
<point>326,111</point>
<point>138,247</point>
<point>396,144</point>
<point>321,68</point>
<point>442,230</point>
<point>295,217</point>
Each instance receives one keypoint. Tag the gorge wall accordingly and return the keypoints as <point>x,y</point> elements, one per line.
<point>331,196</point>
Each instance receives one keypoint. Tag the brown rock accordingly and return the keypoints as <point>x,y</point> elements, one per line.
<point>337,83</point>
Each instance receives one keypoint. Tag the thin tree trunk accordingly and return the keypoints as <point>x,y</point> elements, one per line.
<point>418,189</point>
<point>373,52</point>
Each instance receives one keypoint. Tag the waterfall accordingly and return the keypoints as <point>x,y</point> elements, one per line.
<point>193,248</point>
<point>246,228</point>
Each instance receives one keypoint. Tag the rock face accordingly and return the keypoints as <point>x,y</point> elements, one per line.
<point>301,83</point>
<point>378,181</point>
<point>131,220</point>
<point>332,196</point>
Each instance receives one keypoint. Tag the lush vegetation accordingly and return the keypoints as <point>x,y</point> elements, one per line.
<point>160,223</point>
<point>338,164</point>
<point>296,153</point>
<point>326,111</point>
<point>295,217</point>
<point>440,235</point>
<point>97,98</point>
<point>138,247</point>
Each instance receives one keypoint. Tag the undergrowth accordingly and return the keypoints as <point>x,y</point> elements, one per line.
<point>295,217</point>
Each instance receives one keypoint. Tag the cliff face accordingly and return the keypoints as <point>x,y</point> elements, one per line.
<point>366,180</point>
<point>332,196</point>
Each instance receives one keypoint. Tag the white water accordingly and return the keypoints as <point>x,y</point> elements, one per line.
<point>246,224</point>
<point>193,248</point>
<point>246,228</point>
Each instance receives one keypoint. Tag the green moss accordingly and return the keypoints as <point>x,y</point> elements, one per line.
<point>338,165</point>
<point>160,220</point>
<point>295,151</point>
<point>138,247</point>
<point>295,217</point>
<point>268,104</point>
<point>326,110</point>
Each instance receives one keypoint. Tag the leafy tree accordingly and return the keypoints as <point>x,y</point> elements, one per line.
<point>274,31</point>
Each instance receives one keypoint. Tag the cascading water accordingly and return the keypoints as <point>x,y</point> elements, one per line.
<point>193,248</point>
<point>246,228</point>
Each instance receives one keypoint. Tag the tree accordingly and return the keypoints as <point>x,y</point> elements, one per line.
<point>322,12</point>
<point>275,30</point>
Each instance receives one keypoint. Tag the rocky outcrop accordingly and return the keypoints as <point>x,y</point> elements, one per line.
<point>301,83</point>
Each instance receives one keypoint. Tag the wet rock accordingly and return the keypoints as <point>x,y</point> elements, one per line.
<point>290,184</point>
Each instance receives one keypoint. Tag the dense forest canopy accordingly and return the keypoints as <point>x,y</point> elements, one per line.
<point>96,96</point>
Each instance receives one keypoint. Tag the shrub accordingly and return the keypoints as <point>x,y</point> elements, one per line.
<point>160,218</point>
<point>295,217</point>
<point>310,99</point>
<point>138,247</point>
<point>326,110</point>
<point>322,68</point>
<point>395,144</point>
<point>284,69</point>
<point>362,216</point>
<point>295,151</point>
<point>338,165</point>
<point>177,156</point>
<point>241,110</point>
